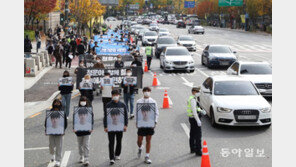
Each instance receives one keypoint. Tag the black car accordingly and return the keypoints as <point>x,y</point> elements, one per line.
<point>181,24</point>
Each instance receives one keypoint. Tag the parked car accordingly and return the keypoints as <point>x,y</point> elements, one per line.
<point>260,73</point>
<point>218,55</point>
<point>187,41</point>
<point>162,43</point>
<point>180,24</point>
<point>149,38</point>
<point>153,27</point>
<point>234,101</point>
<point>195,29</point>
<point>176,58</point>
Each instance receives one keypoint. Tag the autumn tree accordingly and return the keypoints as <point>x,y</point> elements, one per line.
<point>204,7</point>
<point>37,10</point>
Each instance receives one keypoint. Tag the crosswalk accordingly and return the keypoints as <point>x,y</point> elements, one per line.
<point>252,48</point>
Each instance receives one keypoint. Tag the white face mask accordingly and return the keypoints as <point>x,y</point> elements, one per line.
<point>197,94</point>
<point>147,94</point>
<point>129,74</point>
<point>116,98</point>
<point>83,103</point>
<point>119,59</point>
<point>98,61</point>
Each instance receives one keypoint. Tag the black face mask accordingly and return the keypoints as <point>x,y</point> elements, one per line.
<point>65,76</point>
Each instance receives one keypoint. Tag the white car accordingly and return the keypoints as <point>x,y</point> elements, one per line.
<point>149,38</point>
<point>194,29</point>
<point>260,73</point>
<point>187,41</point>
<point>163,32</point>
<point>234,101</point>
<point>153,27</point>
<point>176,58</point>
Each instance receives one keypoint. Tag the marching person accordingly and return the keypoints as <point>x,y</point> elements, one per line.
<point>119,63</point>
<point>149,55</point>
<point>50,50</point>
<point>129,94</point>
<point>193,111</point>
<point>106,90</point>
<point>66,92</point>
<point>83,137</point>
<point>115,103</point>
<point>99,63</point>
<point>58,51</point>
<point>86,88</point>
<point>146,132</point>
<point>56,141</point>
<point>81,50</point>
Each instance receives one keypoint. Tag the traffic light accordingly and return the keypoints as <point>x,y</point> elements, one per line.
<point>61,19</point>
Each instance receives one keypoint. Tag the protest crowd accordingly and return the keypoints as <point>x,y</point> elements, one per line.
<point>110,64</point>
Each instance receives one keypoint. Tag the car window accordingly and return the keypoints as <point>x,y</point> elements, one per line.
<point>234,88</point>
<point>166,41</point>
<point>234,67</point>
<point>179,52</point>
<point>151,33</point>
<point>255,69</point>
<point>219,49</point>
<point>186,38</point>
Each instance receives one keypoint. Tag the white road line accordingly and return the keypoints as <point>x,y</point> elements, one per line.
<point>65,158</point>
<point>203,73</point>
<point>170,100</point>
<point>186,129</point>
<point>36,148</point>
<point>51,164</point>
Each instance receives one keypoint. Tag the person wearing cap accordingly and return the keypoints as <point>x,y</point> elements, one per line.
<point>119,63</point>
<point>193,111</point>
<point>83,137</point>
<point>146,132</point>
<point>117,106</point>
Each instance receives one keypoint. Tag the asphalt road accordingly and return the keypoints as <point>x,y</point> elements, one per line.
<point>170,145</point>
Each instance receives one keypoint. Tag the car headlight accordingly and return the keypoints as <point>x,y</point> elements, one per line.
<point>265,110</point>
<point>167,62</point>
<point>191,62</point>
<point>224,110</point>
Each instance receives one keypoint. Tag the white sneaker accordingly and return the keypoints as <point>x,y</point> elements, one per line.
<point>112,162</point>
<point>117,157</point>
<point>132,116</point>
<point>81,159</point>
<point>86,162</point>
<point>147,160</point>
<point>139,152</point>
<point>52,158</point>
<point>57,164</point>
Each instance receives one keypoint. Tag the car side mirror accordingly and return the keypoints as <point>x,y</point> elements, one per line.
<point>234,52</point>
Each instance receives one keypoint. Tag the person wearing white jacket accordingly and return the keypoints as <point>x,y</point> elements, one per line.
<point>195,123</point>
<point>146,131</point>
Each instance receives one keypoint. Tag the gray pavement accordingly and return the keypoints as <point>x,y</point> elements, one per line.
<point>170,145</point>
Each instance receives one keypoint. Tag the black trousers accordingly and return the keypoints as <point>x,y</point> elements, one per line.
<point>111,137</point>
<point>106,100</point>
<point>58,61</point>
<point>195,136</point>
<point>149,58</point>
<point>68,62</point>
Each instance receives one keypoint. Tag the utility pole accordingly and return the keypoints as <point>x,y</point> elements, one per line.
<point>66,16</point>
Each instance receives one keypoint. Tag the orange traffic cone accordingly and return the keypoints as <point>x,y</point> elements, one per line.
<point>146,67</point>
<point>205,159</point>
<point>165,103</point>
<point>154,83</point>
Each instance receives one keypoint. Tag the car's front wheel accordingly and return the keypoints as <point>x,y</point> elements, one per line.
<point>213,121</point>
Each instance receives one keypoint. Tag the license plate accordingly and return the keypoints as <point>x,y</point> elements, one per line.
<point>246,117</point>
<point>224,63</point>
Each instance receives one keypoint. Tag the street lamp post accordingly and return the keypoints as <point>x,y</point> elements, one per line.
<point>66,16</point>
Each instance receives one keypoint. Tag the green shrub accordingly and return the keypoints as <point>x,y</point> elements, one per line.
<point>31,34</point>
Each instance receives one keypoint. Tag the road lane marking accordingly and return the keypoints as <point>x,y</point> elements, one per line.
<point>203,73</point>
<point>186,129</point>
<point>65,158</point>
<point>51,164</point>
<point>36,148</point>
<point>35,115</point>
<point>187,83</point>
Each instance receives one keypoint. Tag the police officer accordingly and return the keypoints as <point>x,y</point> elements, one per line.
<point>148,51</point>
<point>193,111</point>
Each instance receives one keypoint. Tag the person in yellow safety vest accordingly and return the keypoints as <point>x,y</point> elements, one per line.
<point>149,55</point>
<point>104,29</point>
<point>193,111</point>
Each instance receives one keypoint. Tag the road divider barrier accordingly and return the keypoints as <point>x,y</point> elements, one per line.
<point>154,83</point>
<point>205,159</point>
<point>165,103</point>
<point>35,63</point>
